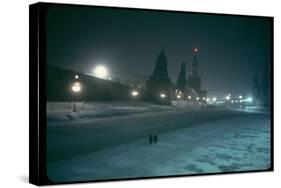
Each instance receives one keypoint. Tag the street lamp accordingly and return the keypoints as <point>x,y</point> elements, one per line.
<point>76,88</point>
<point>76,76</point>
<point>135,93</point>
<point>227,97</point>
<point>162,95</point>
<point>178,96</point>
<point>189,97</point>
<point>240,97</point>
<point>249,99</point>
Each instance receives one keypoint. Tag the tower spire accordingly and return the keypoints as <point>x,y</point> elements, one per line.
<point>194,68</point>
<point>181,82</point>
<point>160,71</point>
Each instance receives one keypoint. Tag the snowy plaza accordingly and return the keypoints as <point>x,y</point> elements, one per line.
<point>191,140</point>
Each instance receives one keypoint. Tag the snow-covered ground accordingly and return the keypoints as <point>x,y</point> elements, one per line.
<point>255,109</point>
<point>190,142</point>
<point>63,111</point>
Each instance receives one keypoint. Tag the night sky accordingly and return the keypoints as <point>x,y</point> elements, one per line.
<point>232,49</point>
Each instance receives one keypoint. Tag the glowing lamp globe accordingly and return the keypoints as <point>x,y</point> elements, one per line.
<point>135,93</point>
<point>76,87</point>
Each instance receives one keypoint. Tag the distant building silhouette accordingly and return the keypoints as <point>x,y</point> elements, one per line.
<point>194,81</point>
<point>181,82</point>
<point>261,88</point>
<point>60,81</point>
<point>265,86</point>
<point>159,85</point>
<point>256,90</point>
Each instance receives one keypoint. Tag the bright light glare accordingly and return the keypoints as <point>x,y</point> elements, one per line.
<point>76,76</point>
<point>189,97</point>
<point>240,97</point>
<point>101,72</point>
<point>135,93</point>
<point>178,96</point>
<point>215,99</point>
<point>250,99</point>
<point>162,95</point>
<point>197,98</point>
<point>207,99</point>
<point>227,97</point>
<point>76,87</point>
<point>204,98</point>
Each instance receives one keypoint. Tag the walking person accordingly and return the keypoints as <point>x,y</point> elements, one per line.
<point>155,138</point>
<point>151,139</point>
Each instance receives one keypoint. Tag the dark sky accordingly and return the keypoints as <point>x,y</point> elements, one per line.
<point>232,49</point>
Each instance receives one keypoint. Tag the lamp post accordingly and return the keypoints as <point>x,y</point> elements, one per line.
<point>76,88</point>
<point>135,95</point>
